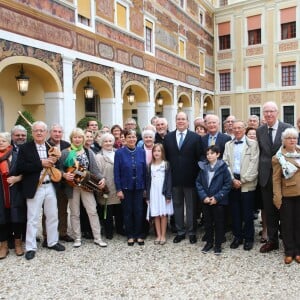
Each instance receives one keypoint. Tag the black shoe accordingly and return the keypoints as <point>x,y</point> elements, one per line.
<point>248,246</point>
<point>235,244</point>
<point>45,244</point>
<point>178,238</point>
<point>109,236</point>
<point>207,247</point>
<point>217,250</point>
<point>193,239</point>
<point>66,238</point>
<point>29,254</point>
<point>57,247</point>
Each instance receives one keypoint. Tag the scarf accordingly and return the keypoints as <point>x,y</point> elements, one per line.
<point>288,169</point>
<point>4,170</point>
<point>71,158</point>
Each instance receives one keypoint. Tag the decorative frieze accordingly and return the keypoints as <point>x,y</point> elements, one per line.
<point>106,51</point>
<point>251,51</point>
<point>53,60</point>
<point>15,22</point>
<point>224,100</point>
<point>137,61</point>
<point>254,99</point>
<point>81,66</point>
<point>288,46</point>
<point>288,96</point>
<point>225,55</point>
<point>85,44</point>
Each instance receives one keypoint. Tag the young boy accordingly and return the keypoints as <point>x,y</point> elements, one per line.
<point>213,185</point>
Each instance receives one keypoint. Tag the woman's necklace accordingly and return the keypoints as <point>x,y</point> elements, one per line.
<point>131,150</point>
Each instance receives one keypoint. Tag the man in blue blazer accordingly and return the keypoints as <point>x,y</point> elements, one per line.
<point>269,141</point>
<point>183,150</point>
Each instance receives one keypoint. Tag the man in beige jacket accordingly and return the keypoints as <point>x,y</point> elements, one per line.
<point>241,155</point>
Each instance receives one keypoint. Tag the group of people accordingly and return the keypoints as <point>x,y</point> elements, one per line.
<point>115,179</point>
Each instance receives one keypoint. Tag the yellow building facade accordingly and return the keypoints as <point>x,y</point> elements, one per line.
<point>151,49</point>
<point>257,58</point>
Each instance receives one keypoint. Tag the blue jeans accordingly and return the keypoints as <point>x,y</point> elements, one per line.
<point>132,206</point>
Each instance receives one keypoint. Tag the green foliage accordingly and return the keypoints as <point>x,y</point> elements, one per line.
<point>21,121</point>
<point>83,122</point>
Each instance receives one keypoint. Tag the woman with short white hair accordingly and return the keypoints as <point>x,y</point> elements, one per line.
<point>110,205</point>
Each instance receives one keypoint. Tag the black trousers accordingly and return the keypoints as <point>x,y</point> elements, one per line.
<point>272,213</point>
<point>214,223</point>
<point>114,219</point>
<point>290,225</point>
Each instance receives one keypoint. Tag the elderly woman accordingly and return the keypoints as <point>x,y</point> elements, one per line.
<point>286,193</point>
<point>12,204</point>
<point>70,161</point>
<point>111,206</point>
<point>130,180</point>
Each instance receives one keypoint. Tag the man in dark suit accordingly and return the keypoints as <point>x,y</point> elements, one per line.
<point>55,139</point>
<point>269,141</point>
<point>214,136</point>
<point>183,150</point>
<point>38,189</point>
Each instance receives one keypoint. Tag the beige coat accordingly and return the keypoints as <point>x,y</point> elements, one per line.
<point>106,167</point>
<point>284,187</point>
<point>249,163</point>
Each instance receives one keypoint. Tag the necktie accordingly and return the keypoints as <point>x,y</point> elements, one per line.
<point>270,135</point>
<point>180,140</point>
<point>212,140</point>
<point>299,138</point>
<point>238,142</point>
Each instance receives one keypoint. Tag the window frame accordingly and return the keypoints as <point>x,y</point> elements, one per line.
<point>224,42</point>
<point>286,117</point>
<point>288,30</point>
<point>256,38</point>
<point>223,82</point>
<point>152,42</point>
<point>288,75</point>
<point>184,47</point>
<point>126,5</point>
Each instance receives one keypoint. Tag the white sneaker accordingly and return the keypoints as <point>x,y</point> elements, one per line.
<point>77,243</point>
<point>100,243</point>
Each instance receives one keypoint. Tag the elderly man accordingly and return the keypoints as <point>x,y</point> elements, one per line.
<point>18,136</point>
<point>214,136</point>
<point>269,141</point>
<point>37,188</point>
<point>55,139</point>
<point>183,150</point>
<point>130,123</point>
<point>253,121</point>
<point>241,155</point>
<point>229,125</point>
<point>161,130</point>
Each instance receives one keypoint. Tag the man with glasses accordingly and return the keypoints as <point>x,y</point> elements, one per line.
<point>38,189</point>
<point>18,137</point>
<point>228,126</point>
<point>269,141</point>
<point>92,125</point>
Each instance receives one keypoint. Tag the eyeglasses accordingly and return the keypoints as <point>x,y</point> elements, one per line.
<point>20,135</point>
<point>290,138</point>
<point>39,130</point>
<point>269,111</point>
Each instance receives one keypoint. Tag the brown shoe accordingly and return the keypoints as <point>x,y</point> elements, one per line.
<point>3,249</point>
<point>297,259</point>
<point>268,246</point>
<point>288,259</point>
<point>19,247</point>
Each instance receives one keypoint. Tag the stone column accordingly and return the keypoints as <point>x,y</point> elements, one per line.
<point>108,112</point>
<point>117,108</point>
<point>169,112</point>
<point>54,106</point>
<point>201,105</point>
<point>145,113</point>
<point>68,109</point>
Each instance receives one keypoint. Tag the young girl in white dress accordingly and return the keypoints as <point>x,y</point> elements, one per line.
<point>159,192</point>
